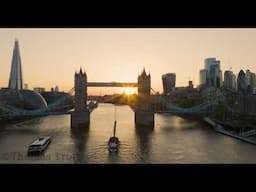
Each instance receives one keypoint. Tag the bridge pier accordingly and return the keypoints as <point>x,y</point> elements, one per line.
<point>144,118</point>
<point>80,119</point>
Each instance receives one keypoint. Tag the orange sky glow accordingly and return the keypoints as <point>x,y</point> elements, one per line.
<point>51,56</point>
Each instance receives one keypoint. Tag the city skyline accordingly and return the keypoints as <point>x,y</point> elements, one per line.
<point>50,57</point>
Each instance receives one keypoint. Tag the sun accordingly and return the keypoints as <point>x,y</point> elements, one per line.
<point>129,91</point>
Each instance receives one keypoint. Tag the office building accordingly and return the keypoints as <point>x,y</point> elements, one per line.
<point>169,81</point>
<point>203,77</point>
<point>211,75</point>
<point>229,80</point>
<point>250,80</point>
<point>241,82</point>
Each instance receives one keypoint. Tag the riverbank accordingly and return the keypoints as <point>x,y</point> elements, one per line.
<point>221,129</point>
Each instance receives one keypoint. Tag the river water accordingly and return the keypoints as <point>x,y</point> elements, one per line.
<point>173,140</point>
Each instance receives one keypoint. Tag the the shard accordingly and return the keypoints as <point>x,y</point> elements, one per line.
<point>16,80</point>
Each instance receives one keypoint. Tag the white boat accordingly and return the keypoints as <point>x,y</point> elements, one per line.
<point>39,145</point>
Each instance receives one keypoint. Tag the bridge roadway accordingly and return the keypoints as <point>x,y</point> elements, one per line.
<point>111,84</point>
<point>173,112</point>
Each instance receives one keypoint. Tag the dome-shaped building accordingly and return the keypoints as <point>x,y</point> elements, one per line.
<point>24,99</point>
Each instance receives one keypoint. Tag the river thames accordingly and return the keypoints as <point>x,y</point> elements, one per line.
<point>173,140</point>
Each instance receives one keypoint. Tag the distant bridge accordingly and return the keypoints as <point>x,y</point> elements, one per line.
<point>204,108</point>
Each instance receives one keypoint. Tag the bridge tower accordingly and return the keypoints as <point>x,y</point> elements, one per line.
<point>144,115</point>
<point>81,115</point>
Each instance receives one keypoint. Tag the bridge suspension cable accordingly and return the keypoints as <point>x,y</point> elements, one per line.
<point>198,109</point>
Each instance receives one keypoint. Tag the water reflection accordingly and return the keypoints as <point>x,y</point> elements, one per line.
<point>144,139</point>
<point>114,157</point>
<point>173,123</point>
<point>80,137</point>
<point>20,122</point>
<point>35,120</point>
<point>173,140</point>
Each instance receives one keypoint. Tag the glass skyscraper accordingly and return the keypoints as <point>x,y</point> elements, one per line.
<point>211,75</point>
<point>229,80</point>
<point>241,82</point>
<point>169,80</point>
<point>16,79</point>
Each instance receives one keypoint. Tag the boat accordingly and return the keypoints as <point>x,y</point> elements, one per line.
<point>113,142</point>
<point>92,105</point>
<point>39,145</point>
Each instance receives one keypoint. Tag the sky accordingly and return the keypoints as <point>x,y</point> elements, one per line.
<point>50,56</point>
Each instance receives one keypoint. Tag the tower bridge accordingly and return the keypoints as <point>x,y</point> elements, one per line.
<point>80,117</point>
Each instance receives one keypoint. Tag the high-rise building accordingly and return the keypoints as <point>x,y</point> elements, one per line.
<point>234,82</point>
<point>169,80</point>
<point>253,80</point>
<point>221,78</point>
<point>250,80</point>
<point>56,89</point>
<point>208,62</point>
<point>214,77</point>
<point>229,80</point>
<point>247,77</point>
<point>212,72</point>
<point>16,80</point>
<point>241,82</point>
<point>203,77</point>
